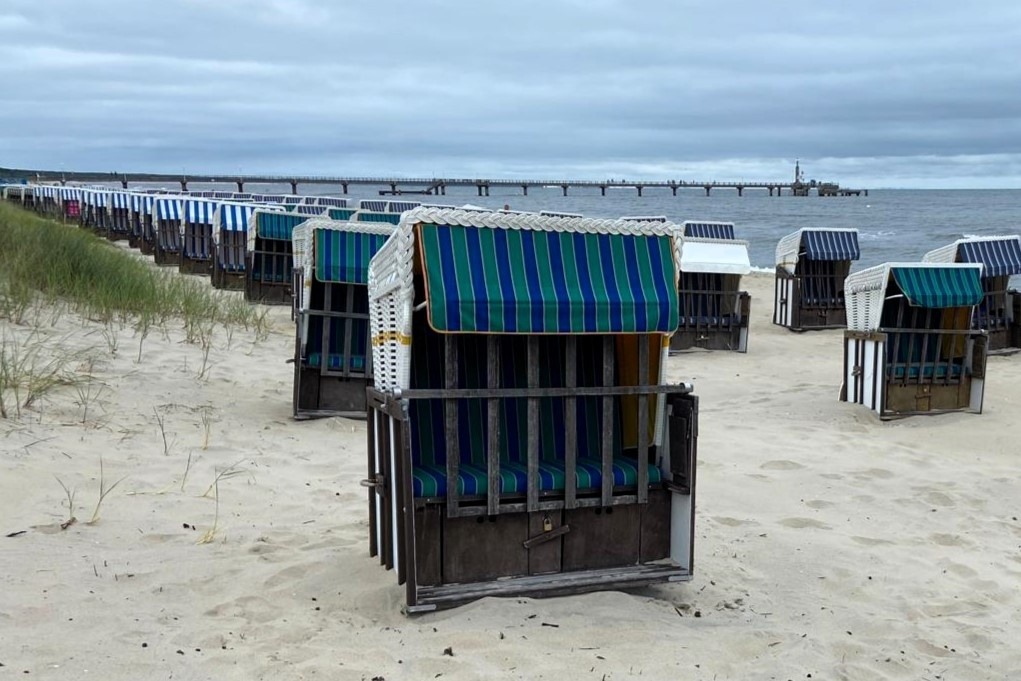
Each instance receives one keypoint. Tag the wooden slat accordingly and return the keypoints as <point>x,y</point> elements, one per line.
<point>399,502</point>
<point>493,453</point>
<point>450,421</point>
<point>324,349</point>
<point>571,424</point>
<point>370,429</point>
<point>533,426</point>
<point>643,421</point>
<point>925,346</point>
<point>349,304</point>
<point>607,450</point>
<point>407,506</point>
<point>508,393</point>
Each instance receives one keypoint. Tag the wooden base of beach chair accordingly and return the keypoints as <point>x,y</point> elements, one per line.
<point>547,553</point>
<point>918,387</point>
<point>318,396</point>
<point>145,247</point>
<point>266,293</point>
<point>229,281</point>
<point>188,265</point>
<point>712,333</point>
<point>166,258</point>
<point>792,311</point>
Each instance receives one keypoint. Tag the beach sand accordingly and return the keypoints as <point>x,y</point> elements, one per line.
<point>829,545</point>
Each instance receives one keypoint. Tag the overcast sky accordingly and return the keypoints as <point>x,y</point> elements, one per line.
<point>920,94</point>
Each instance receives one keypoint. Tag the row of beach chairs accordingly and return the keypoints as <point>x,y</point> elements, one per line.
<point>522,439</point>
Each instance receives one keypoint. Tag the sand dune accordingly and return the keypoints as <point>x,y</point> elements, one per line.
<point>829,544</point>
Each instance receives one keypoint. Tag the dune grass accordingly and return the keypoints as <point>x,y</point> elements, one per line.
<point>102,282</point>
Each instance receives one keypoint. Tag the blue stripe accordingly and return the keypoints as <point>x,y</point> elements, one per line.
<point>449,275</point>
<point>610,277</point>
<point>587,291</point>
<point>503,269</point>
<point>477,276</point>
<point>560,284</point>
<point>532,279</point>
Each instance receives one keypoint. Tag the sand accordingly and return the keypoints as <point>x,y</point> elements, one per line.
<point>829,544</point>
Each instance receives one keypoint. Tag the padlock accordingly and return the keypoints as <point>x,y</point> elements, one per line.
<point>547,524</point>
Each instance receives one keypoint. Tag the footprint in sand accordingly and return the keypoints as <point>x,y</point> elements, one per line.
<point>870,541</point>
<point>818,504</point>
<point>938,499</point>
<point>781,465</point>
<point>873,473</point>
<point>947,540</point>
<point>733,522</point>
<point>800,523</point>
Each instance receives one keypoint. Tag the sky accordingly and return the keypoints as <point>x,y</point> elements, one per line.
<point>871,94</point>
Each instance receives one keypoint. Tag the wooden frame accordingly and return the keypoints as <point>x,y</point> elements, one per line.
<point>268,277</point>
<point>229,261</point>
<point>197,239</point>
<point>119,227</point>
<point>799,312</point>
<point>167,246</point>
<point>724,326</point>
<point>322,391</point>
<point>997,315</point>
<point>916,365</point>
<point>455,549</point>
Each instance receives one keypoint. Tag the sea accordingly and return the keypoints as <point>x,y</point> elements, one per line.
<point>894,225</point>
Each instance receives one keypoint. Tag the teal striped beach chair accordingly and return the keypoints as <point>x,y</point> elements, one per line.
<point>522,439</point>
<point>909,347</point>
<point>332,363</point>
<point>269,257</point>
<point>999,312</point>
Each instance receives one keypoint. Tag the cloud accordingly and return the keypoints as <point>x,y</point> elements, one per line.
<point>885,94</point>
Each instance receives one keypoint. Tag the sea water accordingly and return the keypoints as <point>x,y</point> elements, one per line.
<point>893,224</point>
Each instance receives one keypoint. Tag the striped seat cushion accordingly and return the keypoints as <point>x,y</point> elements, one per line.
<point>275,278</point>
<point>336,361</point>
<point>931,371</point>
<point>473,480</point>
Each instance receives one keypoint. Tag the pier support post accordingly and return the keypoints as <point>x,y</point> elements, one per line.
<point>866,192</point>
<point>241,186</point>
<point>124,182</point>
<point>294,187</point>
<point>564,187</point>
<point>740,190</point>
<point>343,186</point>
<point>770,188</point>
<point>393,187</point>
<point>639,188</point>
<point>184,184</point>
<point>487,190</point>
<point>602,189</point>
<point>673,188</point>
<point>479,188</point>
<point>707,188</point>
<point>443,189</point>
<point>524,190</point>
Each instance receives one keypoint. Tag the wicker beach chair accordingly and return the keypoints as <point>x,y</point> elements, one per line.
<point>811,266</point>
<point>909,347</point>
<point>197,236</point>
<point>119,209</point>
<point>522,441</point>
<point>167,213</point>
<point>269,256</point>
<point>714,312</point>
<point>999,312</point>
<point>332,360</point>
<point>230,243</point>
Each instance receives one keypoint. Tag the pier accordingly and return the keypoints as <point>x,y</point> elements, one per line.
<point>433,186</point>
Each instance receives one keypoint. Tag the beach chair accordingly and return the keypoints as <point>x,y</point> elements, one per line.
<point>95,217</point>
<point>377,217</point>
<point>230,243</point>
<point>522,441</point>
<point>269,257</point>
<point>999,312</point>
<point>70,203</point>
<point>645,218</point>
<point>138,206</point>
<point>197,236</point>
<point>119,217</point>
<point>909,347</point>
<point>714,312</point>
<point>166,225</point>
<point>811,266</point>
<point>332,360</point>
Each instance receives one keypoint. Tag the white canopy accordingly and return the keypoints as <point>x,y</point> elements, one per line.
<point>717,256</point>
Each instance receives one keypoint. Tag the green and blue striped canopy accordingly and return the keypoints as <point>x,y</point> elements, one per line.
<point>278,225</point>
<point>343,257</point>
<point>486,280</point>
<point>939,287</point>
